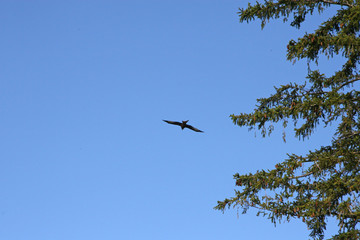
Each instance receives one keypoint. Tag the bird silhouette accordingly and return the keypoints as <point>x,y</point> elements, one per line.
<point>183,125</point>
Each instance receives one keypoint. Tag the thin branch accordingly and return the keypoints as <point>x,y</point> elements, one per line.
<point>349,82</point>
<point>317,165</point>
<point>328,2</point>
<point>337,3</point>
<point>304,175</point>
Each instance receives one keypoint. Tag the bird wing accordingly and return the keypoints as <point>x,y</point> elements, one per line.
<point>193,128</point>
<point>172,122</point>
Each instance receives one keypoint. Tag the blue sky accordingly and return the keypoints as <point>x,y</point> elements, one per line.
<point>84,88</point>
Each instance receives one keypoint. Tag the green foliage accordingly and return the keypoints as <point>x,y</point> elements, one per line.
<point>325,182</point>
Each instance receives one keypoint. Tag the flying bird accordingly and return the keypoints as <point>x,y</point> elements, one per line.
<point>183,125</point>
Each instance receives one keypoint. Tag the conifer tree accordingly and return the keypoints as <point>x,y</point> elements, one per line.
<point>324,183</point>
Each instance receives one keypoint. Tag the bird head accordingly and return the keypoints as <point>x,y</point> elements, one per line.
<point>185,121</point>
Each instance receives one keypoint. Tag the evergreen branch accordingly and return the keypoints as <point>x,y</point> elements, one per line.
<point>337,3</point>
<point>349,82</point>
<point>349,215</point>
<point>341,3</point>
<point>301,176</point>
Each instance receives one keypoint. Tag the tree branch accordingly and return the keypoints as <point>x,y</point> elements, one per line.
<point>328,2</point>
<point>349,82</point>
<point>337,3</point>
<point>304,175</point>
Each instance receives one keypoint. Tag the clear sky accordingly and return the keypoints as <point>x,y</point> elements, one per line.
<point>84,87</point>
